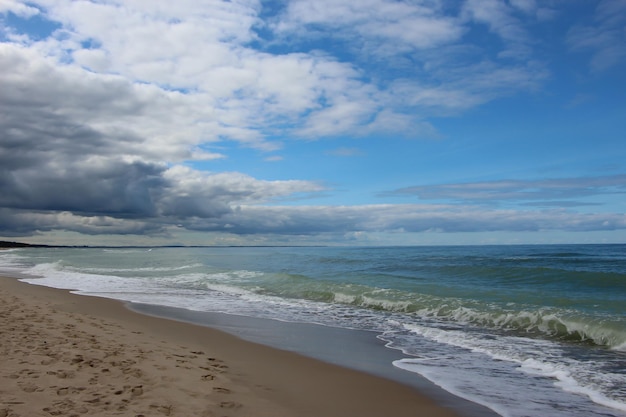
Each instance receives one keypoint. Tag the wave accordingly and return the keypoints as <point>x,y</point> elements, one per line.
<point>534,357</point>
<point>125,251</point>
<point>10,260</point>
<point>567,325</point>
<point>563,322</point>
<point>561,325</point>
<point>135,269</point>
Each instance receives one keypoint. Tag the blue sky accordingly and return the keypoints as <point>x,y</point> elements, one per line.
<point>376,122</point>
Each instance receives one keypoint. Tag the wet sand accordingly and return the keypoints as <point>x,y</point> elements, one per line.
<point>71,355</point>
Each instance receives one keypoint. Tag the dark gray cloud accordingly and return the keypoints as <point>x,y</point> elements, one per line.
<point>111,187</point>
<point>97,154</point>
<point>55,154</point>
<point>29,223</point>
<point>399,218</point>
<point>320,220</point>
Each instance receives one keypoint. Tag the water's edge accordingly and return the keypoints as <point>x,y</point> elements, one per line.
<point>359,350</point>
<point>525,331</point>
<point>354,349</point>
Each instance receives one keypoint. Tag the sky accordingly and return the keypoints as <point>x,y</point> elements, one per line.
<point>300,122</point>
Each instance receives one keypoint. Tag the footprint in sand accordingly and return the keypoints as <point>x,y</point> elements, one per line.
<point>163,409</point>
<point>61,374</point>
<point>61,408</point>
<point>48,361</point>
<point>229,404</point>
<point>29,387</point>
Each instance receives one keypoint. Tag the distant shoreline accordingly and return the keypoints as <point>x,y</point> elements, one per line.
<point>10,245</point>
<point>13,245</point>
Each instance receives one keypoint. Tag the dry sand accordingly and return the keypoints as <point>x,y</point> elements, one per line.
<point>68,355</point>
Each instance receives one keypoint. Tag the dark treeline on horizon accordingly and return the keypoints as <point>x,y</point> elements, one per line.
<point>5,244</point>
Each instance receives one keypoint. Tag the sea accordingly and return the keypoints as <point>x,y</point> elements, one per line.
<point>529,330</point>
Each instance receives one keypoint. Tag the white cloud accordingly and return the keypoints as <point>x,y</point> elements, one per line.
<point>468,86</point>
<point>343,117</point>
<point>414,24</point>
<point>561,189</point>
<point>605,38</point>
<point>502,21</point>
<point>527,6</point>
<point>135,119</point>
<point>203,50</point>
<point>346,152</point>
<point>234,188</point>
<point>200,49</point>
<point>18,8</point>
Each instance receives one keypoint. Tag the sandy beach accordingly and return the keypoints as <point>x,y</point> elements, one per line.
<point>71,355</point>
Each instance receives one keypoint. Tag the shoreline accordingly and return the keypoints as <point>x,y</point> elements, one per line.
<point>67,354</point>
<point>358,350</point>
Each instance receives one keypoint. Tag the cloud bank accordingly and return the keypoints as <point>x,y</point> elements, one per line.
<point>111,111</point>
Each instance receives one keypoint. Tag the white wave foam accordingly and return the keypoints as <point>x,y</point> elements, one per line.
<point>144,269</point>
<point>55,275</point>
<point>125,251</point>
<point>459,387</point>
<point>10,260</point>
<point>548,322</point>
<point>532,356</point>
<point>342,298</point>
<point>569,383</point>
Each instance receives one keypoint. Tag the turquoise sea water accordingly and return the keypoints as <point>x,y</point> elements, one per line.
<point>522,330</point>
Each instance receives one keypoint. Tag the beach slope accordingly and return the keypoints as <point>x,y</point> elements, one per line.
<point>70,355</point>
